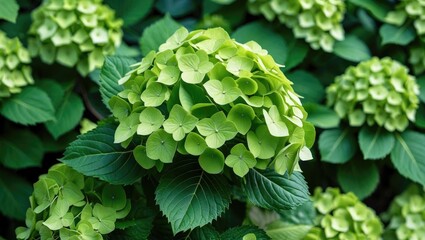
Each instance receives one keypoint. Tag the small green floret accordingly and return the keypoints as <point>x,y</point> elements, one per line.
<point>375,92</point>
<point>74,33</point>
<point>319,22</point>
<point>15,71</point>
<point>343,216</point>
<point>210,98</point>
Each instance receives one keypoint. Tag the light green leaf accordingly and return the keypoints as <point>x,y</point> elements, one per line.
<point>20,149</point>
<point>119,107</point>
<point>240,159</point>
<point>408,155</point>
<point>104,219</point>
<point>273,191</point>
<point>161,145</point>
<point>127,128</point>
<point>194,66</point>
<point>223,92</point>
<point>169,75</point>
<point>337,145</point>
<point>142,158</point>
<point>179,123</point>
<point>95,154</point>
<point>358,176</point>
<point>195,144</point>
<point>397,35</point>
<point>9,10</point>
<point>261,143</point>
<point>187,195</point>
<point>211,161</point>
<point>151,120</point>
<point>282,230</point>
<point>375,142</point>
<point>155,94</point>
<point>274,122</point>
<point>29,107</point>
<point>14,194</point>
<point>216,129</point>
<point>352,49</point>
<point>157,33</point>
<point>241,115</point>
<point>240,66</point>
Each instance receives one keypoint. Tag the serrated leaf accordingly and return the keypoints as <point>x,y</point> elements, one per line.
<point>273,191</point>
<point>408,155</point>
<point>20,149</point>
<point>358,176</point>
<point>352,49</point>
<point>190,197</point>
<point>9,10</point>
<point>282,230</point>
<point>157,33</point>
<point>337,145</point>
<point>68,115</point>
<point>29,107</point>
<point>14,194</point>
<point>113,70</point>
<point>95,154</point>
<point>375,143</point>
<point>240,232</point>
<point>402,35</point>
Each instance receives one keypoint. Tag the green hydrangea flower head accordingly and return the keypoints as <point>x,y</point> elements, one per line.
<point>68,205</point>
<point>15,71</point>
<point>319,22</point>
<point>377,92</point>
<point>74,33</point>
<point>407,214</point>
<point>207,97</point>
<point>343,216</point>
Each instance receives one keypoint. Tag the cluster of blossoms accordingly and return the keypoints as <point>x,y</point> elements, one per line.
<point>15,71</point>
<point>211,98</point>
<point>376,91</point>
<point>407,212</point>
<point>343,216</point>
<point>74,33</point>
<point>67,205</point>
<point>319,22</point>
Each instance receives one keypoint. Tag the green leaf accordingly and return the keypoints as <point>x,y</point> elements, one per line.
<point>68,115</point>
<point>155,94</point>
<point>352,49</point>
<point>217,130</point>
<point>240,232</point>
<point>223,92</point>
<point>212,161</point>
<point>20,149</point>
<point>175,8</point>
<point>161,146</point>
<point>206,232</point>
<point>29,107</point>
<point>304,214</point>
<point>421,83</point>
<point>408,155</point>
<point>113,70</point>
<point>156,34</point>
<point>105,218</point>
<point>358,176</point>
<point>241,115</point>
<point>304,82</point>
<point>14,194</point>
<point>179,123</point>
<point>151,119</point>
<point>113,196</point>
<point>95,154</point>
<point>375,142</point>
<point>129,11</point>
<point>277,127</point>
<point>240,159</point>
<point>127,128</point>
<point>402,35</point>
<point>271,190</point>
<point>378,8</point>
<point>9,10</point>
<point>282,230</point>
<point>337,145</point>
<point>321,116</point>
<point>195,144</point>
<point>190,197</point>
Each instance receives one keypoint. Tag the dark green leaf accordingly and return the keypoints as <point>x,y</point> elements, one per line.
<point>402,35</point>
<point>307,86</point>
<point>157,33</point>
<point>9,10</point>
<point>408,155</point>
<point>421,83</point>
<point>14,194</point>
<point>113,70</point>
<point>206,232</point>
<point>134,229</point>
<point>29,107</point>
<point>175,8</point>
<point>302,215</point>
<point>337,145</point>
<point>321,116</point>
<point>375,142</point>
<point>358,176</point>
<point>20,149</point>
<point>271,190</point>
<point>190,197</point>
<point>352,49</point>
<point>378,8</point>
<point>95,154</point>
<point>240,232</point>
<point>131,11</point>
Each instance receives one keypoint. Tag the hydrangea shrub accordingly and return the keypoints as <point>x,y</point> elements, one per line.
<point>68,205</point>
<point>74,33</point>
<point>15,71</point>
<point>377,92</point>
<point>343,216</point>
<point>319,22</point>
<point>210,98</point>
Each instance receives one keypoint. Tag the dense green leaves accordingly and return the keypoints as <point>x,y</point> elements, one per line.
<point>29,107</point>
<point>190,197</point>
<point>408,155</point>
<point>14,193</point>
<point>271,190</point>
<point>95,154</point>
<point>375,143</point>
<point>9,10</point>
<point>397,35</point>
<point>337,145</point>
<point>352,49</point>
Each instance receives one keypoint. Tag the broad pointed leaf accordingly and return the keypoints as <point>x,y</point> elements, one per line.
<point>337,145</point>
<point>375,143</point>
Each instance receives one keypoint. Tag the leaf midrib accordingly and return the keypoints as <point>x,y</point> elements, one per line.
<point>337,143</point>
<point>406,149</point>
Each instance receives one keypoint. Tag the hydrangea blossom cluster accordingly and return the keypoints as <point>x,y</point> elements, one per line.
<point>343,216</point>
<point>67,205</point>
<point>407,212</point>
<point>74,33</point>
<point>15,71</point>
<point>220,102</point>
<point>319,22</point>
<point>376,91</point>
